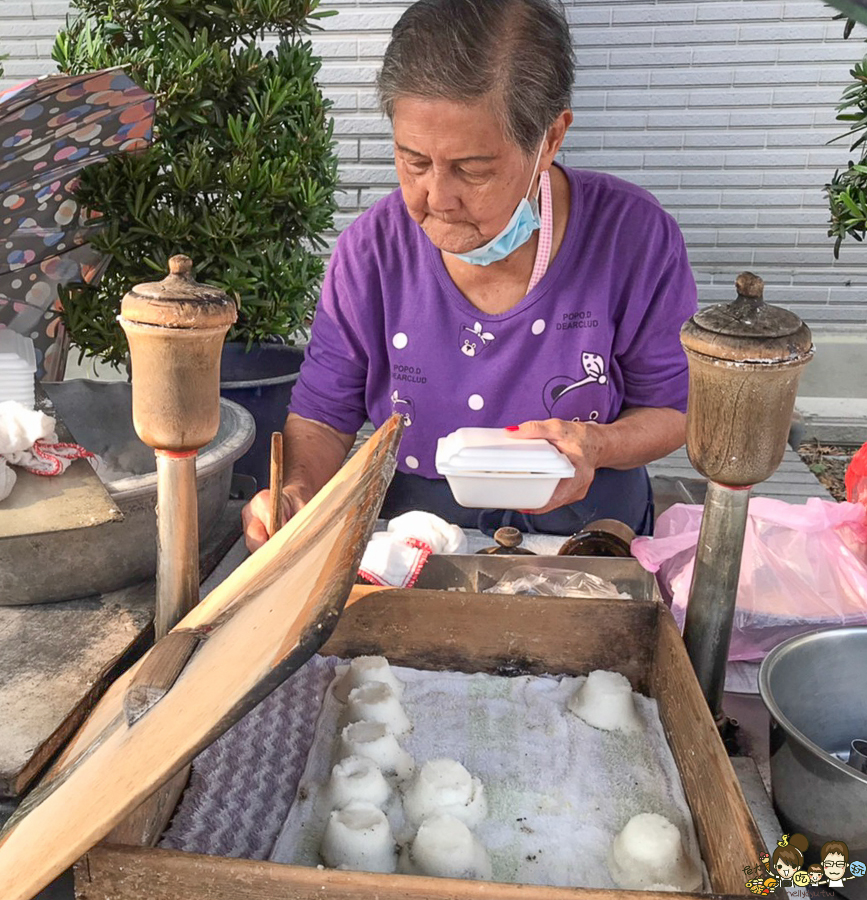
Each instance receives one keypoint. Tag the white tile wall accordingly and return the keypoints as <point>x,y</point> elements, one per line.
<point>722,109</point>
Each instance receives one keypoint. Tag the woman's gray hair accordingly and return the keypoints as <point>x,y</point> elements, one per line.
<point>517,51</point>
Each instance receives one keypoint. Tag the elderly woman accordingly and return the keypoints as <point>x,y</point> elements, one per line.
<point>496,288</point>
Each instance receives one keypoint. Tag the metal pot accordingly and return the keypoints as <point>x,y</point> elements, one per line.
<point>70,564</point>
<point>813,687</point>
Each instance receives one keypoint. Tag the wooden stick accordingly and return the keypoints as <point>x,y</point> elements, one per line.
<point>178,540</point>
<point>276,522</point>
<point>145,825</point>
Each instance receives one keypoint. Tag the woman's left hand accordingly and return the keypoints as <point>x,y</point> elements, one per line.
<point>580,441</point>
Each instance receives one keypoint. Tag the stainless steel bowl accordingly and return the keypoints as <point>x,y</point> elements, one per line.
<point>814,688</point>
<point>69,564</point>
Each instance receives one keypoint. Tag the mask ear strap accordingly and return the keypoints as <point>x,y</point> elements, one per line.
<point>535,167</point>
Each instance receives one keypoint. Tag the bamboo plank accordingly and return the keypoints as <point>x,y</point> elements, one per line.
<point>260,625</point>
<point>727,833</point>
<point>110,873</point>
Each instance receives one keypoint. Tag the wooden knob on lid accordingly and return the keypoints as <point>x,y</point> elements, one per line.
<point>507,536</point>
<point>181,265</point>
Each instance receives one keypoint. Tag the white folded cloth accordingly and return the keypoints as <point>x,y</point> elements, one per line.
<point>28,439</point>
<point>21,428</point>
<point>396,557</point>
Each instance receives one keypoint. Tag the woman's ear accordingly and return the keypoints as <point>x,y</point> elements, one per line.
<point>555,137</point>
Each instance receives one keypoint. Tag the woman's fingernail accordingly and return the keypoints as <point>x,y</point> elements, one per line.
<point>512,427</point>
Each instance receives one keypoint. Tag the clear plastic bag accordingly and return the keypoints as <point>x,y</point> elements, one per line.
<point>803,567</point>
<point>545,582</point>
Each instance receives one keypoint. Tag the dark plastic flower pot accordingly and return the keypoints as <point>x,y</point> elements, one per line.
<point>261,381</point>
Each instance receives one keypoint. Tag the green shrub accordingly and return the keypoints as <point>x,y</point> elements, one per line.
<point>242,170</point>
<point>847,191</point>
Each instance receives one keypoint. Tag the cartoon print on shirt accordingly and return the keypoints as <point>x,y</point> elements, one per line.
<point>561,385</point>
<point>404,406</point>
<point>591,418</point>
<point>476,341</point>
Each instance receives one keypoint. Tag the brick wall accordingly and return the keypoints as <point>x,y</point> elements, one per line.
<point>722,109</point>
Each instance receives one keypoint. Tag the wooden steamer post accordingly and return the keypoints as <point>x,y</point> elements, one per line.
<point>176,328</point>
<point>745,359</point>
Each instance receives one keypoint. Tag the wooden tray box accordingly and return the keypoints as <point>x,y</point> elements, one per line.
<point>495,634</point>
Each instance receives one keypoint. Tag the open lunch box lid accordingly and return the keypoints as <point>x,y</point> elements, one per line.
<point>486,450</point>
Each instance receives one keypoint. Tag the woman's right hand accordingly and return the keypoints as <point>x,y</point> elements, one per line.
<point>256,515</point>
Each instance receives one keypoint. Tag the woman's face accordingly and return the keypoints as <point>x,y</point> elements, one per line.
<point>461,179</point>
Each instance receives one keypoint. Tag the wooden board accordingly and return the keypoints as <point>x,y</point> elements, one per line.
<point>123,873</point>
<point>726,830</point>
<point>489,633</point>
<point>75,499</point>
<point>499,634</point>
<point>263,622</point>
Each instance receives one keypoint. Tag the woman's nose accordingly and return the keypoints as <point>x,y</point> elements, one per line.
<point>442,194</point>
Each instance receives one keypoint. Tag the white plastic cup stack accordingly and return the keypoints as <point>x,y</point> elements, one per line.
<point>17,368</point>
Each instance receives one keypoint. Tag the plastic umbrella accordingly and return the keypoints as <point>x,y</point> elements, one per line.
<point>49,130</point>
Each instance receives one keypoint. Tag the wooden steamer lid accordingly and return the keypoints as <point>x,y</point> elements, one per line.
<point>748,330</point>
<point>179,301</point>
<point>745,359</point>
<point>175,328</point>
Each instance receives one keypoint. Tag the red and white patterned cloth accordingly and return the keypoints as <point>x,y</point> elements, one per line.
<point>394,558</point>
<point>29,441</point>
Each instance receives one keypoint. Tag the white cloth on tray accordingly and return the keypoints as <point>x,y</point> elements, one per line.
<point>558,790</point>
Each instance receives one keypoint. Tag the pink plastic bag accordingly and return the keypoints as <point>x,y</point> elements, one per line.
<point>803,568</point>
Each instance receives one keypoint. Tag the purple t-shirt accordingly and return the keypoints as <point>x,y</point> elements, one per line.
<point>598,334</point>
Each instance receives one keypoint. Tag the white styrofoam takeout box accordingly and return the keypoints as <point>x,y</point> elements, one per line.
<point>488,469</point>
